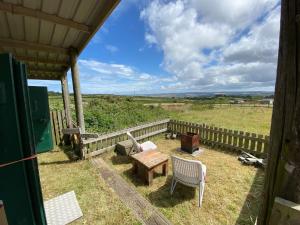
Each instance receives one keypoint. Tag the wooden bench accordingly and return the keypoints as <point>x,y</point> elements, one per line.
<point>144,164</point>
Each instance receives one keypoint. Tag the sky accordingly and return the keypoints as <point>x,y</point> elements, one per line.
<point>162,46</point>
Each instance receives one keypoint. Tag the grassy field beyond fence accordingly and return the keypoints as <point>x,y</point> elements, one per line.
<point>111,113</point>
<point>250,119</point>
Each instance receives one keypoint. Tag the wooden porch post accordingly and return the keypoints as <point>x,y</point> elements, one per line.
<point>76,88</point>
<point>65,95</point>
<point>283,171</point>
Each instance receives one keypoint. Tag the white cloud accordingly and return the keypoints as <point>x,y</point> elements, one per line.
<point>100,77</point>
<point>215,44</point>
<point>110,78</point>
<point>150,38</point>
<point>106,68</point>
<point>145,76</point>
<point>260,45</point>
<point>237,14</point>
<point>111,48</point>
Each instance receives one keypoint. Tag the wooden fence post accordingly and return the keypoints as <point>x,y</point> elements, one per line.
<point>283,170</point>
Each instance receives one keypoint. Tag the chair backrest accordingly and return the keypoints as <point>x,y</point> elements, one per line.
<point>136,145</point>
<point>188,171</point>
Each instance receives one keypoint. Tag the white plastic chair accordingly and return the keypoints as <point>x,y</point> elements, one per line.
<point>190,173</point>
<point>146,146</point>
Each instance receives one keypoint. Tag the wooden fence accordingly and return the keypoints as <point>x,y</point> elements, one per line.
<point>246,105</point>
<point>105,142</point>
<point>227,139</point>
<point>58,122</point>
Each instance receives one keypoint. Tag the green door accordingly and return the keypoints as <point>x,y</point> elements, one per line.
<point>41,118</point>
<point>14,188</point>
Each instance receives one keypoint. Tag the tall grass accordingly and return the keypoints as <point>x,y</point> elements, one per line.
<point>103,115</point>
<point>110,113</point>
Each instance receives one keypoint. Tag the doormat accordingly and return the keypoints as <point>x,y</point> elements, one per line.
<point>63,209</point>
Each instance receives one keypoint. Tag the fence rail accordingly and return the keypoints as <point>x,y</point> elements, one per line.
<point>58,122</point>
<point>247,105</point>
<point>105,142</point>
<point>233,140</point>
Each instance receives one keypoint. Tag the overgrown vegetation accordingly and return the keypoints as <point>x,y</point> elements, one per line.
<point>104,113</point>
<point>109,114</point>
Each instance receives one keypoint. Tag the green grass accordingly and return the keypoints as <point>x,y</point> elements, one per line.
<point>232,192</point>
<point>248,119</point>
<point>110,113</point>
<point>99,204</point>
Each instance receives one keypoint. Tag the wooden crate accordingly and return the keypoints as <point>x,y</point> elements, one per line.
<point>189,142</point>
<point>125,147</point>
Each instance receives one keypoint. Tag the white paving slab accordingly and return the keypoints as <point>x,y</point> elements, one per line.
<point>63,209</point>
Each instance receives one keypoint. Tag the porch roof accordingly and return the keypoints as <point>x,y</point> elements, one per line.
<point>42,33</point>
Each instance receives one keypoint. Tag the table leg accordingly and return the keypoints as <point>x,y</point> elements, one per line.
<point>149,176</point>
<point>135,167</point>
<point>165,169</point>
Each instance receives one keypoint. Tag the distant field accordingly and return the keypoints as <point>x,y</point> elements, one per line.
<point>256,120</point>
<point>108,113</point>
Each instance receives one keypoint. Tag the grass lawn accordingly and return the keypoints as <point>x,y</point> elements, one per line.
<point>99,204</point>
<point>249,119</point>
<point>232,192</point>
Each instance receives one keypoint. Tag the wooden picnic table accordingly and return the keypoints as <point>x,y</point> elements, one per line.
<point>144,164</point>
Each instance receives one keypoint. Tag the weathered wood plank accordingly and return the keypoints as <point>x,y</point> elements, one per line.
<point>220,137</point>
<point>141,208</point>
<point>241,139</point>
<point>235,140</point>
<point>52,129</point>
<point>224,141</point>
<point>246,143</point>
<point>259,143</point>
<point>230,140</point>
<point>285,212</point>
<point>56,128</point>
<point>253,144</point>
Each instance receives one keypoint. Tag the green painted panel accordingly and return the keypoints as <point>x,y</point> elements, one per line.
<point>27,135</point>
<point>41,118</point>
<point>14,191</point>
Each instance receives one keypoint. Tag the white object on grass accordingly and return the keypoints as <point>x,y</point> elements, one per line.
<point>146,146</point>
<point>63,209</point>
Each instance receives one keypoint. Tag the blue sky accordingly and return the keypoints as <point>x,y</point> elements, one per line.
<point>184,45</point>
